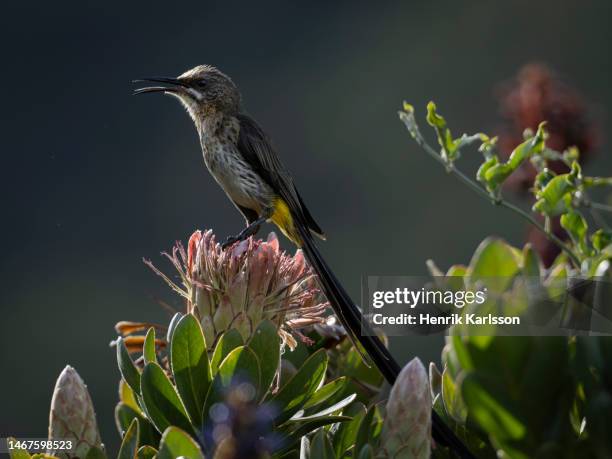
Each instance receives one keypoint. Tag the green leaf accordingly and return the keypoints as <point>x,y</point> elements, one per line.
<point>321,447</point>
<point>556,282</point>
<point>532,264</point>
<point>148,350</point>
<point>498,173</point>
<point>601,239</point>
<point>128,370</point>
<point>365,428</point>
<point>489,412</point>
<point>304,448</point>
<point>407,117</point>
<point>488,145</point>
<point>239,367</point>
<point>571,154</point>
<point>326,392</point>
<point>229,341</point>
<point>146,452</point>
<point>555,198</point>
<point>435,380</point>
<point>345,436</point>
<point>173,322</point>
<point>456,356</point>
<point>296,392</point>
<point>161,401</point>
<point>445,138</point>
<point>124,415</point>
<point>455,277</point>
<point>354,367</point>
<point>542,179</point>
<point>129,445</point>
<point>481,174</point>
<point>171,327</point>
<point>287,371</point>
<point>451,397</point>
<point>336,407</point>
<point>576,226</point>
<point>190,366</point>
<point>176,443</point>
<point>127,396</point>
<point>377,425</point>
<point>17,453</point>
<point>494,264</point>
<point>290,433</point>
<point>266,345</point>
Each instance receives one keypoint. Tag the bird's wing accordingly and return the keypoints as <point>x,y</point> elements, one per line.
<point>257,150</point>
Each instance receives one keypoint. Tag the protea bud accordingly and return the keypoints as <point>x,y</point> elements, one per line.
<point>72,415</point>
<point>244,284</point>
<point>407,426</point>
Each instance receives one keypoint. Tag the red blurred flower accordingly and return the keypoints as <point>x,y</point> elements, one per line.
<point>536,94</point>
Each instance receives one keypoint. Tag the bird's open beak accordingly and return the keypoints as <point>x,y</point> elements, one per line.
<point>174,85</point>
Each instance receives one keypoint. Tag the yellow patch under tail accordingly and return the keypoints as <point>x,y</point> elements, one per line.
<point>284,220</point>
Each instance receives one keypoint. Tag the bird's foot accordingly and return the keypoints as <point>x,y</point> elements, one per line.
<point>231,240</point>
<point>244,234</point>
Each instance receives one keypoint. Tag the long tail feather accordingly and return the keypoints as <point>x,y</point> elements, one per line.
<point>350,316</point>
<point>347,312</point>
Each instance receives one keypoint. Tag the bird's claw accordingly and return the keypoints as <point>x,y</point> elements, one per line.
<point>231,240</point>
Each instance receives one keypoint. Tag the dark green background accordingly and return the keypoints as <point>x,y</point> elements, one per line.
<point>94,179</point>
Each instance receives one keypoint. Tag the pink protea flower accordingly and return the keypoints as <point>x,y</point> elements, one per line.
<point>245,284</point>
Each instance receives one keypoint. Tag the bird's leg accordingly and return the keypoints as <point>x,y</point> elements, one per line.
<point>250,230</point>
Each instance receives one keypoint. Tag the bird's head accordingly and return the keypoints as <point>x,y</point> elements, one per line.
<point>204,90</point>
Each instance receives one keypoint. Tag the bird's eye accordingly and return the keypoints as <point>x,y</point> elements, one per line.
<point>202,84</point>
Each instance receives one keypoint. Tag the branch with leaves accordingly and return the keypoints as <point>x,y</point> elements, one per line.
<point>527,396</point>
<point>556,194</point>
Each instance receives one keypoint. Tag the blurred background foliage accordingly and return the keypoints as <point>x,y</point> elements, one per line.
<point>93,179</point>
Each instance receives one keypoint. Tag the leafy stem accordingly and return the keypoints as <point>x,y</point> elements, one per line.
<point>496,200</point>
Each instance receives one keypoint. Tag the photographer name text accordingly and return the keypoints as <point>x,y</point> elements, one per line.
<point>453,319</point>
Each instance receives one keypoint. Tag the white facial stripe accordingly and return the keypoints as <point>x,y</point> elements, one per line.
<point>195,94</point>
